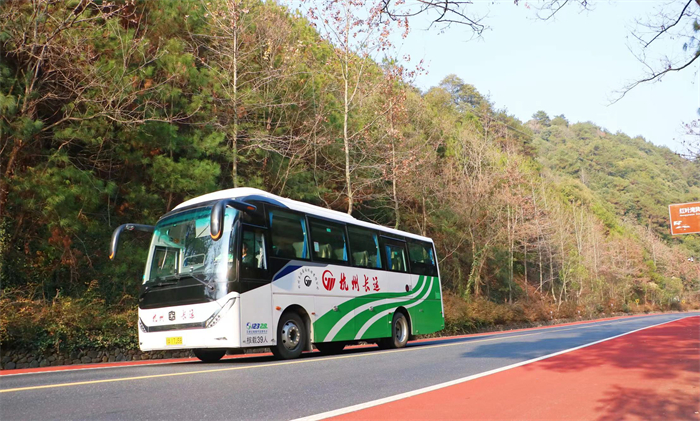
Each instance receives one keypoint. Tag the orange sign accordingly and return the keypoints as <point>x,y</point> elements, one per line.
<point>685,218</point>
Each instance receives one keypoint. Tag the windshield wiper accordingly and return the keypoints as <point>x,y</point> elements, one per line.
<point>201,281</point>
<point>158,285</point>
<point>177,277</point>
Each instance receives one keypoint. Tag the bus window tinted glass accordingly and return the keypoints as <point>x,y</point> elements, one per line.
<point>253,249</point>
<point>422,258</point>
<point>395,257</point>
<point>289,237</point>
<point>328,241</point>
<point>365,248</point>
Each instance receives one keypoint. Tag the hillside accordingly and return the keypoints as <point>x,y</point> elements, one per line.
<point>636,179</point>
<point>134,108</point>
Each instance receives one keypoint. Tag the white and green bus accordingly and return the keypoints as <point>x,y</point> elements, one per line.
<point>244,268</point>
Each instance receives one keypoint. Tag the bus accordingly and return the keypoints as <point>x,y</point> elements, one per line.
<point>243,268</point>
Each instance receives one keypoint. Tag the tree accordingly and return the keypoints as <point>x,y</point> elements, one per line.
<point>464,95</point>
<point>542,118</point>
<point>559,120</point>
<point>359,36</point>
<point>37,52</point>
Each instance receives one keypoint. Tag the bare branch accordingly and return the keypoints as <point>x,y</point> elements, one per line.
<point>655,76</point>
<point>664,29</point>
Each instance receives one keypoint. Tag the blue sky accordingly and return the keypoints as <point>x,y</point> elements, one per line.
<point>570,65</point>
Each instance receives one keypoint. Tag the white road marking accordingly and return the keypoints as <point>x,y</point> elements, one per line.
<point>405,395</point>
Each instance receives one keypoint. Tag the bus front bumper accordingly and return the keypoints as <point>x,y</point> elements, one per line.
<point>208,325</point>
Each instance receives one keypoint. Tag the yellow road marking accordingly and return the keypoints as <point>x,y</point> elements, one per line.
<point>303,361</point>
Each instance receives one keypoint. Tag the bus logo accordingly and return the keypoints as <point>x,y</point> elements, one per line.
<point>171,316</point>
<point>328,280</point>
<point>307,277</point>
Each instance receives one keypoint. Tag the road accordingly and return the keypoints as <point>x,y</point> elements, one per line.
<point>260,387</point>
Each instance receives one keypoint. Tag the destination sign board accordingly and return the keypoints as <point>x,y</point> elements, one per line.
<point>685,218</point>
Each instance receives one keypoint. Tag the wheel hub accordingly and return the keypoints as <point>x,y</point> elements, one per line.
<point>400,330</point>
<point>290,335</point>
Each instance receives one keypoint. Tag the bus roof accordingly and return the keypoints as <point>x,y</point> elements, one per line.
<point>248,193</point>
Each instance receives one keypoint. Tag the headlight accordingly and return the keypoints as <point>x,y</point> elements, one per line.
<point>214,318</point>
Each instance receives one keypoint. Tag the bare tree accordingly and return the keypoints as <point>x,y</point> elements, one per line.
<point>360,39</point>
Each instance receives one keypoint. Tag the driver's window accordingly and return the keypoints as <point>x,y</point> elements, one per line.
<point>253,259</point>
<point>165,261</point>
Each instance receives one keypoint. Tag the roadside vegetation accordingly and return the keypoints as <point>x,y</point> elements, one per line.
<point>117,112</point>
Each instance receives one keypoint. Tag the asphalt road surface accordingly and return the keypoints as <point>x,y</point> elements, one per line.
<point>263,388</point>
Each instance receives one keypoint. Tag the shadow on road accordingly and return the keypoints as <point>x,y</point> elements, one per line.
<point>268,357</point>
<point>645,351</point>
<point>648,404</point>
<point>650,374</point>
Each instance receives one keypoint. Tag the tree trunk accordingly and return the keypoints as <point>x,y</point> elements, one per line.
<point>7,176</point>
<point>511,228</point>
<point>425,220</point>
<point>393,184</point>
<point>234,136</point>
<point>346,112</point>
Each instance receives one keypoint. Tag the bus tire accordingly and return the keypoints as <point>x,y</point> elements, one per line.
<point>209,355</point>
<point>291,337</point>
<point>330,348</point>
<point>399,333</point>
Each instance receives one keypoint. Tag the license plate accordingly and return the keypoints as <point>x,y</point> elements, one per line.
<point>175,340</point>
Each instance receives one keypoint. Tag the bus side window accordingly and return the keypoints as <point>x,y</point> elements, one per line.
<point>328,241</point>
<point>289,235</point>
<point>395,254</point>
<point>365,248</point>
<point>422,258</point>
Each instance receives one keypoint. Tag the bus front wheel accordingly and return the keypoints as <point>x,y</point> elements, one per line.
<point>399,333</point>
<point>291,337</point>
<point>209,355</point>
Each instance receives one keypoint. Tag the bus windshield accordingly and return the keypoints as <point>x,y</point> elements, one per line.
<point>182,246</point>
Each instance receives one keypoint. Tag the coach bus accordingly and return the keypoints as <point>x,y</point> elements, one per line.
<point>243,268</point>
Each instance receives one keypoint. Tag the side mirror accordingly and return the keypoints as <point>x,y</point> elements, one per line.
<point>113,245</point>
<point>216,222</point>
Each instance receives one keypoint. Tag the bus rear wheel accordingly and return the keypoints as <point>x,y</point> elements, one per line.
<point>291,337</point>
<point>399,333</point>
<point>330,348</point>
<point>209,355</point>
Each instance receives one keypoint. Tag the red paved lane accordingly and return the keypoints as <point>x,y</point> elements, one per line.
<point>653,374</point>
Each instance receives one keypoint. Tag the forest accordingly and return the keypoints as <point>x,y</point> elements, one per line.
<point>115,112</point>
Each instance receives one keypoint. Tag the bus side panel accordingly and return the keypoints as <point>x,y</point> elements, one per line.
<point>375,322</point>
<point>426,316</point>
<point>334,315</point>
<point>257,324</point>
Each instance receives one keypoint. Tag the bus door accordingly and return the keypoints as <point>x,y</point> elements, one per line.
<point>253,271</point>
<point>254,280</point>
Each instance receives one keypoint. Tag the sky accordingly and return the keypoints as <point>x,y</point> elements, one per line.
<point>571,65</point>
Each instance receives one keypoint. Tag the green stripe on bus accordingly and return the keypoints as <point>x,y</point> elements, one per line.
<point>327,321</point>
<point>351,329</point>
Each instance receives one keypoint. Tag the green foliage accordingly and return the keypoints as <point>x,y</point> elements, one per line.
<point>67,323</point>
<point>542,118</point>
<point>139,113</point>
<point>632,177</point>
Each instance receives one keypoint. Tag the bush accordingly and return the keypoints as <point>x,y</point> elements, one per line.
<point>65,323</point>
